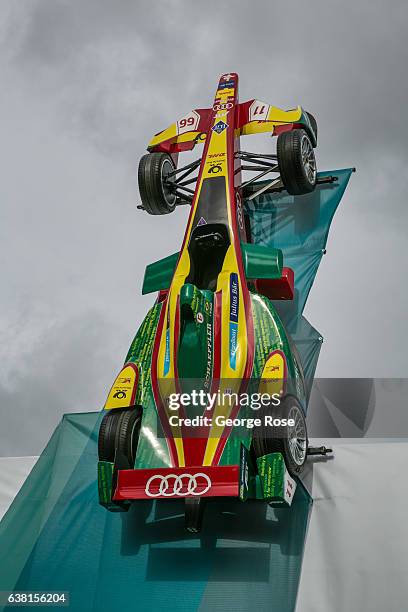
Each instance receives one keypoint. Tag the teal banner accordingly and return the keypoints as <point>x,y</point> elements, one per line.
<point>56,537</point>
<point>299,226</point>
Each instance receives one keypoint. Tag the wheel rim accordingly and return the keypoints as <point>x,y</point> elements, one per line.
<point>308,160</point>
<point>166,169</point>
<point>297,436</point>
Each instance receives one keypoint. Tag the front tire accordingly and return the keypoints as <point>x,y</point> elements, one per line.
<point>292,441</point>
<point>156,195</point>
<point>297,162</point>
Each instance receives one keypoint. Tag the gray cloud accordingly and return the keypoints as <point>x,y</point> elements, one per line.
<point>85,85</point>
<point>59,373</point>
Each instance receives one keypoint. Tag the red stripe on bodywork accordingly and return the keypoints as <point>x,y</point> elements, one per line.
<point>161,411</point>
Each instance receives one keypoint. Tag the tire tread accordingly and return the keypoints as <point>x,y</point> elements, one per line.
<point>150,183</point>
<point>290,164</point>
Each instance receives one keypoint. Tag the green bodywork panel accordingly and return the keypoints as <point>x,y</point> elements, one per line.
<point>195,366</point>
<point>149,454</point>
<point>195,362</point>
<point>267,478</point>
<point>195,354</point>
<point>140,352</point>
<point>273,481</point>
<point>158,275</point>
<point>105,475</point>
<point>270,335</point>
<point>261,261</point>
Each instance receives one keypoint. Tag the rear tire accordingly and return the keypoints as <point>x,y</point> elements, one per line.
<point>313,123</point>
<point>119,431</point>
<point>157,198</point>
<point>128,431</point>
<point>297,162</point>
<point>107,435</point>
<point>293,444</point>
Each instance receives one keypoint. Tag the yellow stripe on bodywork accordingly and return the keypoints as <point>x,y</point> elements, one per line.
<point>230,379</point>
<point>273,375</point>
<point>171,135</point>
<point>167,134</point>
<point>276,116</point>
<point>122,391</point>
<point>282,116</point>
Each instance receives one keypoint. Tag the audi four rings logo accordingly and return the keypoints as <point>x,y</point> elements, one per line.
<point>223,106</point>
<point>178,484</point>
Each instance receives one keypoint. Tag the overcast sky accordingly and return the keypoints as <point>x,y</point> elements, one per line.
<point>85,84</point>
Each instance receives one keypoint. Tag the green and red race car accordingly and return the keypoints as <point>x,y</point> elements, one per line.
<point>175,424</point>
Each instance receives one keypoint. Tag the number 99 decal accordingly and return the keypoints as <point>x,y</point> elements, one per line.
<point>188,123</point>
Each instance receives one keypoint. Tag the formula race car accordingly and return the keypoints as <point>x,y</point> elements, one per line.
<point>213,331</point>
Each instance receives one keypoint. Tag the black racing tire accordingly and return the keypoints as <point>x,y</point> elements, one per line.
<point>128,431</point>
<point>119,431</point>
<point>156,198</point>
<point>313,123</point>
<point>292,442</point>
<point>297,162</point>
<point>107,435</point>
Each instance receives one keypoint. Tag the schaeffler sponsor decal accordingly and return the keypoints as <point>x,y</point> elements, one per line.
<point>173,485</point>
<point>219,127</point>
<point>233,319</point>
